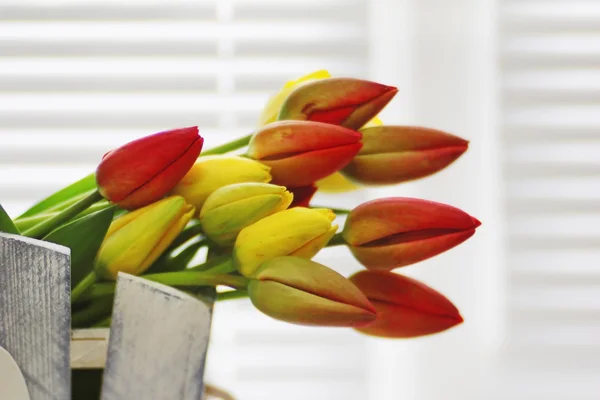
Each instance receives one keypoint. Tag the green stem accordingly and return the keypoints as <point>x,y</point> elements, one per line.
<point>193,278</point>
<point>224,267</point>
<point>232,295</point>
<point>227,147</point>
<point>336,240</point>
<point>97,309</point>
<point>83,286</point>
<point>42,229</point>
<point>105,323</point>
<point>211,263</point>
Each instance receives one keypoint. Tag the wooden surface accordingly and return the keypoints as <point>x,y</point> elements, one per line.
<point>158,342</point>
<point>89,348</point>
<point>35,313</point>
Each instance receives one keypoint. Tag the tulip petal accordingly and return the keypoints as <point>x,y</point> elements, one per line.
<point>306,168</point>
<point>298,307</point>
<point>145,169</point>
<point>391,256</point>
<point>282,139</point>
<point>405,307</point>
<point>395,232</point>
<point>304,292</point>
<point>395,154</point>
<point>279,234</point>
<point>347,102</point>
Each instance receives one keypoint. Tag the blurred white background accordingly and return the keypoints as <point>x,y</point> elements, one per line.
<point>519,78</point>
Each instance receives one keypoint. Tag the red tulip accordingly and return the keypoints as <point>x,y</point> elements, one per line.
<point>302,152</point>
<point>303,195</point>
<point>394,154</point>
<point>406,308</point>
<point>144,170</point>
<point>347,102</point>
<point>394,232</point>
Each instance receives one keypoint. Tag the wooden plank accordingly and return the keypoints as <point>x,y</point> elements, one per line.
<point>89,348</point>
<point>158,342</point>
<point>35,313</point>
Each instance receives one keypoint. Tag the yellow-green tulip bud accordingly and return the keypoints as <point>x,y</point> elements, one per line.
<point>213,172</point>
<point>299,232</point>
<point>135,240</point>
<point>233,207</point>
<point>304,292</point>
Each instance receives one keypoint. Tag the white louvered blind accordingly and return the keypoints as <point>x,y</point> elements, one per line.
<point>550,54</point>
<point>78,78</point>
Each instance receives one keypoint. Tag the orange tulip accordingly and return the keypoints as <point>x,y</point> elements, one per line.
<point>302,152</point>
<point>394,232</point>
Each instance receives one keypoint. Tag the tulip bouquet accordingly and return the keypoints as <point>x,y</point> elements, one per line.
<point>154,204</point>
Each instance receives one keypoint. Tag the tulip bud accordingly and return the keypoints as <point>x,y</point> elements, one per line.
<point>301,152</point>
<point>303,195</point>
<point>394,232</point>
<point>143,171</point>
<point>406,308</point>
<point>303,292</point>
<point>347,102</point>
<point>299,232</point>
<point>233,207</point>
<point>135,240</point>
<point>394,154</point>
<point>271,110</point>
<point>212,172</point>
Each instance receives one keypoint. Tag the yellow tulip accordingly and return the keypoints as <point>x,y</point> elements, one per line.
<point>299,232</point>
<point>135,240</point>
<point>233,207</point>
<point>335,183</point>
<point>213,172</point>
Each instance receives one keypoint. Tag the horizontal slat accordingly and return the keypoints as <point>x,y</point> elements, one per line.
<point>161,102</point>
<point>108,48</point>
<point>344,49</point>
<point>106,83</point>
<point>173,66</point>
<point>325,359</point>
<point>561,188</point>
<point>582,334</point>
<point>546,152</point>
<point>526,16</point>
<point>555,297</point>
<point>107,119</point>
<point>555,264</point>
<point>553,45</point>
<point>77,31</point>
<point>568,116</point>
<point>555,226</point>
<point>76,10</point>
<point>552,80</point>
<point>332,10</point>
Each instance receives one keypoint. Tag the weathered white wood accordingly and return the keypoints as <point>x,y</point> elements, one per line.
<point>35,313</point>
<point>89,348</point>
<point>158,342</point>
<point>12,383</point>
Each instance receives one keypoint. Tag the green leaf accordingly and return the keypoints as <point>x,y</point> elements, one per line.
<point>64,197</point>
<point>84,237</point>
<point>6,224</point>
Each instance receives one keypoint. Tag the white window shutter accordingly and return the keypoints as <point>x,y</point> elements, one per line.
<point>78,78</point>
<point>550,52</point>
